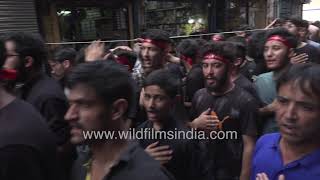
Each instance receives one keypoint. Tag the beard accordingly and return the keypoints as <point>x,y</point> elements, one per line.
<point>22,73</point>
<point>220,82</point>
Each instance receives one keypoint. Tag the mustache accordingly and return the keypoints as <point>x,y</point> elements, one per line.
<point>76,125</point>
<point>214,78</point>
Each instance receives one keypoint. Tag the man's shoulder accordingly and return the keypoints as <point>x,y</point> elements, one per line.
<point>267,75</point>
<point>147,166</point>
<point>267,140</point>
<point>46,88</point>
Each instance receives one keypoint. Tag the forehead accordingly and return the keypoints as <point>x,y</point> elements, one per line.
<point>53,62</point>
<point>82,92</point>
<point>274,43</point>
<point>211,61</point>
<point>293,91</point>
<point>288,23</point>
<point>10,45</point>
<point>148,45</point>
<point>154,90</point>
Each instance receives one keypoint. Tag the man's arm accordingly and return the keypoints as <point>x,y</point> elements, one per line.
<point>248,148</point>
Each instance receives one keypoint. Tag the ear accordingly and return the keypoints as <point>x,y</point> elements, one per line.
<point>28,61</point>
<point>238,62</point>
<point>119,108</point>
<point>66,64</point>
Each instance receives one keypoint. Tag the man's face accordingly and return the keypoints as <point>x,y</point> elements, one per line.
<point>297,114</point>
<point>275,54</point>
<point>58,70</point>
<point>293,29</point>
<point>303,34</point>
<point>215,73</point>
<point>15,61</point>
<point>152,57</point>
<point>157,103</point>
<point>87,112</point>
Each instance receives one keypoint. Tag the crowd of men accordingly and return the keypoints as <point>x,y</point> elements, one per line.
<point>265,86</point>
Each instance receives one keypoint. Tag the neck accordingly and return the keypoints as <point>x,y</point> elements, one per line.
<point>225,89</point>
<point>301,44</point>
<point>278,72</point>
<point>108,152</point>
<point>294,151</point>
<point>5,98</point>
<point>158,125</point>
<point>235,75</point>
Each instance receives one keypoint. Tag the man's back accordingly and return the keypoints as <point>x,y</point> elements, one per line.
<point>47,96</point>
<point>27,147</point>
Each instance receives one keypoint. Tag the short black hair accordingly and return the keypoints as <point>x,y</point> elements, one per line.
<point>110,80</point>
<point>223,49</point>
<point>306,76</point>
<point>64,53</point>
<point>282,32</point>
<point>297,22</point>
<point>238,49</point>
<point>28,44</point>
<point>305,24</point>
<point>164,79</point>
<point>188,47</point>
<point>2,54</point>
<point>237,39</point>
<point>157,34</point>
<point>255,45</point>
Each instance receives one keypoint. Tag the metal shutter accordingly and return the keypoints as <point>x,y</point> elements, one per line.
<point>18,15</point>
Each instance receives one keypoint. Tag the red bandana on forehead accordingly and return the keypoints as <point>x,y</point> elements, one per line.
<point>280,39</point>
<point>159,44</point>
<point>124,61</point>
<point>187,59</point>
<point>8,74</point>
<point>216,57</point>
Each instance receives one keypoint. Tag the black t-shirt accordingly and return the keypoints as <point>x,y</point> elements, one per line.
<point>247,85</point>
<point>194,81</point>
<point>27,147</point>
<point>242,109</point>
<point>249,69</point>
<point>47,96</point>
<point>312,52</point>
<point>188,159</point>
<point>134,163</point>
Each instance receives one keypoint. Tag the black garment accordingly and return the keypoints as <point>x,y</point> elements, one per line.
<point>62,82</point>
<point>242,109</point>
<point>27,147</point>
<point>47,96</point>
<point>247,85</point>
<point>176,69</point>
<point>188,159</point>
<point>133,164</point>
<point>312,52</point>
<point>194,81</point>
<point>249,69</point>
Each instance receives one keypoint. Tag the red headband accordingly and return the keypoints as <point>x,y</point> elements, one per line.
<point>8,74</point>
<point>280,39</point>
<point>124,61</point>
<point>159,44</point>
<point>187,59</point>
<point>216,57</point>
